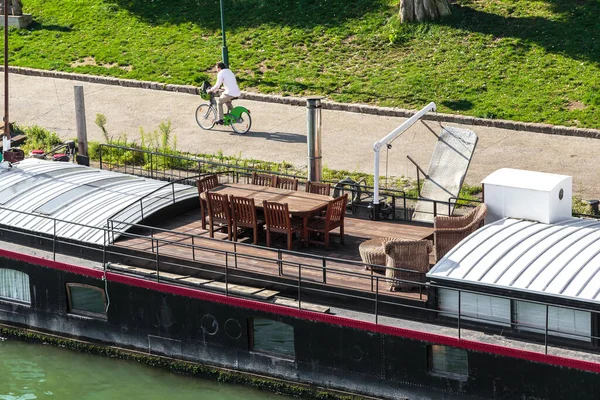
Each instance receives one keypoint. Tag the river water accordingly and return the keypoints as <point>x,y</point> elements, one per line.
<point>34,371</point>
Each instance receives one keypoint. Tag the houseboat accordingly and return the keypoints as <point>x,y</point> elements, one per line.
<point>121,260</point>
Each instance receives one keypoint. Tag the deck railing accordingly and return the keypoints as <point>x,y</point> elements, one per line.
<point>298,271</point>
<point>171,167</point>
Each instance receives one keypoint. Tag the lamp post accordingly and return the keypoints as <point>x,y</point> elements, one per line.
<point>224,48</point>
<point>6,124</point>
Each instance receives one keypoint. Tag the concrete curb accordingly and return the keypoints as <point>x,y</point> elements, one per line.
<point>328,105</point>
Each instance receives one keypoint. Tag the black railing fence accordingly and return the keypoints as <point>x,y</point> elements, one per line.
<point>395,204</point>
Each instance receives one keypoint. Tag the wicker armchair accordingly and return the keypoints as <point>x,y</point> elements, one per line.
<point>449,231</point>
<point>408,255</point>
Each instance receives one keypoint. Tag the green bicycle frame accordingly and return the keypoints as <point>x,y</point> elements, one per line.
<point>235,114</point>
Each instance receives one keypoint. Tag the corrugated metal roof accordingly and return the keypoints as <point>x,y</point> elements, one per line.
<point>80,198</point>
<point>561,259</point>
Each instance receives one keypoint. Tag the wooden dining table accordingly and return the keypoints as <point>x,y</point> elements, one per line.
<point>300,204</point>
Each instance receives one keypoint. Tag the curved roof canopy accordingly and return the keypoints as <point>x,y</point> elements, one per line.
<point>80,199</point>
<point>561,259</point>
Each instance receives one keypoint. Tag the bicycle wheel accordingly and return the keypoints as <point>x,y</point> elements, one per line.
<point>206,116</point>
<point>242,124</point>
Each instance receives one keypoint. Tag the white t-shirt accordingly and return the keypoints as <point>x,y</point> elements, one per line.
<point>226,77</point>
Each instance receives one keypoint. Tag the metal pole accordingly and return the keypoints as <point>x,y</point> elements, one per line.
<point>313,138</point>
<point>6,124</point>
<point>80,118</point>
<point>224,53</point>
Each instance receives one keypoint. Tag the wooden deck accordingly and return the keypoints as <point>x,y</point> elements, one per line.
<point>182,237</point>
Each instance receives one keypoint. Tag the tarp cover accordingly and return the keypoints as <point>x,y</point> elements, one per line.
<point>447,170</point>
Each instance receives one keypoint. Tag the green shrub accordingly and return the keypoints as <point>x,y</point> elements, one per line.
<point>581,206</point>
<point>39,139</point>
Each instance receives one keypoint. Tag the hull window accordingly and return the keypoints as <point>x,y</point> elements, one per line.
<point>272,337</point>
<point>475,307</point>
<point>86,300</point>
<point>14,285</point>
<point>448,361</point>
<point>563,322</point>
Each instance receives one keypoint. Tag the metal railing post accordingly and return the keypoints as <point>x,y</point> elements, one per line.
<point>104,248</point>
<point>546,335</point>
<point>193,249</point>
<point>226,273</point>
<point>299,286</point>
<point>54,240</point>
<point>101,147</point>
<point>235,260</point>
<point>324,270</point>
<point>152,239</point>
<point>459,292</point>
<point>377,301</point>
<point>279,262</point>
<point>157,260</point>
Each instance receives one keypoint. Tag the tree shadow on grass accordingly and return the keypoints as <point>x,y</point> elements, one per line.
<point>251,13</point>
<point>574,36</point>
<point>36,26</point>
<point>458,105</point>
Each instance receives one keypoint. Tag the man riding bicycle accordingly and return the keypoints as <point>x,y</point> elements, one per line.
<point>226,78</point>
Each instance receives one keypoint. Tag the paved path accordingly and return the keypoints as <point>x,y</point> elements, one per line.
<point>279,132</point>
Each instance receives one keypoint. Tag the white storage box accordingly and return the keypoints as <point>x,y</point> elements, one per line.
<point>531,195</point>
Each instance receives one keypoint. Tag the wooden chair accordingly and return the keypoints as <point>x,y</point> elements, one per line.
<point>449,231</point>
<point>264,180</point>
<point>204,184</point>
<point>287,183</point>
<point>409,255</point>
<point>318,188</point>
<point>278,220</point>
<point>219,212</point>
<point>334,218</point>
<point>243,215</point>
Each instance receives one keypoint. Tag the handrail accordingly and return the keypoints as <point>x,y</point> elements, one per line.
<point>110,220</point>
<point>369,190</point>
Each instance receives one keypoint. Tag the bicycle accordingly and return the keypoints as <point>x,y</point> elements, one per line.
<point>206,114</point>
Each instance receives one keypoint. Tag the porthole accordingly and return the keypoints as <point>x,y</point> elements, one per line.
<point>233,329</point>
<point>165,316</point>
<point>209,325</point>
<point>356,353</point>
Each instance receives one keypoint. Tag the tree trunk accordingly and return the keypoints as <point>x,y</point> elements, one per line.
<point>422,10</point>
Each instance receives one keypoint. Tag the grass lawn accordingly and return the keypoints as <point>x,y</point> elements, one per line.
<point>526,60</point>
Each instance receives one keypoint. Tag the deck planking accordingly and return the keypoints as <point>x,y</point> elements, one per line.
<point>177,241</point>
